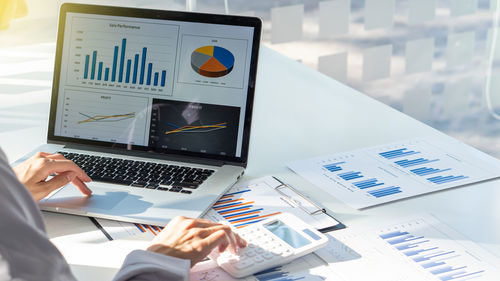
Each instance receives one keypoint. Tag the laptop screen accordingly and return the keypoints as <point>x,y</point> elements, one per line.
<point>154,84</point>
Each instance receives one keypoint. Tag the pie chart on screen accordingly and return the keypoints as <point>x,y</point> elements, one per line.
<point>212,61</point>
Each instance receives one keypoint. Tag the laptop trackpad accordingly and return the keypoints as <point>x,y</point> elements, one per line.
<point>101,199</point>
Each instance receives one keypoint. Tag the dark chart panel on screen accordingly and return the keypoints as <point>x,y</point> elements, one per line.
<point>195,127</point>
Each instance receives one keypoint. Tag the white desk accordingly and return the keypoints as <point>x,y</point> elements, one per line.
<point>300,113</point>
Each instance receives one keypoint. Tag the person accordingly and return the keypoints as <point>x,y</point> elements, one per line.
<point>27,254</point>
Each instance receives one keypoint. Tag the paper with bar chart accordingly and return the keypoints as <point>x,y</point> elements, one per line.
<point>412,249</point>
<point>104,117</point>
<point>376,175</point>
<point>125,55</point>
<point>119,230</point>
<point>250,202</point>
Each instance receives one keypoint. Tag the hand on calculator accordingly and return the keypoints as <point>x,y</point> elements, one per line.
<point>270,243</point>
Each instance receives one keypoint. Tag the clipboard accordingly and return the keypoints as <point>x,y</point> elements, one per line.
<point>299,200</point>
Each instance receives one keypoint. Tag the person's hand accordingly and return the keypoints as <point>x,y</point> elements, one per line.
<point>194,239</point>
<point>33,173</point>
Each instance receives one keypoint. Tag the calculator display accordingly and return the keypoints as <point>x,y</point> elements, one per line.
<point>287,234</point>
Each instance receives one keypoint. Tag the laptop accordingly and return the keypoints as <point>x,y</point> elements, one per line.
<point>155,106</point>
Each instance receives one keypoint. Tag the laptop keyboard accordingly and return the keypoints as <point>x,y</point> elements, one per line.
<point>140,174</point>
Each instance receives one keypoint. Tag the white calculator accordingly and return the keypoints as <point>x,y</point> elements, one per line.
<point>271,242</point>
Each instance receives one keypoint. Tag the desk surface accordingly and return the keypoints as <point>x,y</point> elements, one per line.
<point>300,113</point>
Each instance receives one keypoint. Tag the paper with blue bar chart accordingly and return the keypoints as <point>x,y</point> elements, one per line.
<point>250,202</point>
<point>411,249</point>
<point>376,175</point>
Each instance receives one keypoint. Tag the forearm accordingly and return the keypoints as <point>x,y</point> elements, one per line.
<point>149,266</point>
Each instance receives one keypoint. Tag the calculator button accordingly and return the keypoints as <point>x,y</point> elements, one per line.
<point>243,264</point>
<point>258,259</point>
<point>268,256</point>
<point>251,246</point>
<point>250,253</point>
<point>266,245</point>
<point>276,251</point>
<point>259,250</point>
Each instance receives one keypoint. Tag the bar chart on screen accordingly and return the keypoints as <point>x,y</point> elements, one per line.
<point>376,175</point>
<point>416,248</point>
<point>125,56</point>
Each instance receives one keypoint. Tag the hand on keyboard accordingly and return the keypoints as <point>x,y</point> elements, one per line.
<point>33,173</point>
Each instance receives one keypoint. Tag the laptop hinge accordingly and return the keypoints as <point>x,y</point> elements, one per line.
<point>145,154</point>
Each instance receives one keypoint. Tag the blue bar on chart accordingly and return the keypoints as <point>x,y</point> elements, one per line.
<point>393,234</point>
<point>431,256</point>
<point>113,70</point>
<point>136,65</point>
<point>127,73</point>
<point>432,264</point>
<point>155,81</point>
<point>99,71</point>
<point>121,66</point>
<point>386,191</point>
<point>143,65</point>
<point>397,153</point>
<point>417,252</point>
<point>442,180</point>
<point>122,60</point>
<point>92,71</point>
<point>410,163</point>
<point>86,69</point>
<point>163,77</point>
<point>411,245</point>
<point>446,269</point>
<point>461,274</point>
<point>367,183</point>
<point>424,171</point>
<point>403,239</point>
<point>150,69</point>
<point>350,175</point>
<point>334,167</point>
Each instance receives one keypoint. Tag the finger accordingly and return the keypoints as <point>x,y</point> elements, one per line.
<point>242,243</point>
<point>230,237</point>
<point>56,156</point>
<point>81,186</point>
<point>216,238</point>
<point>233,246</point>
<point>223,246</point>
<point>61,166</point>
<point>203,223</point>
<point>44,154</point>
<point>205,232</point>
<point>56,182</point>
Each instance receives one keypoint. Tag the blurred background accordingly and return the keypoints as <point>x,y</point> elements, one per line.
<point>435,60</point>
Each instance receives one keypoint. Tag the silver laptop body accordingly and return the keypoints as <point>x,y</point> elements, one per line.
<point>139,93</point>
